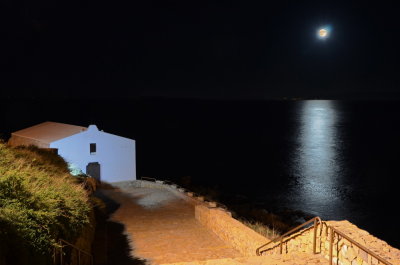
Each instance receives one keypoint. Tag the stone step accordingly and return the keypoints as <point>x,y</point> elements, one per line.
<point>287,259</point>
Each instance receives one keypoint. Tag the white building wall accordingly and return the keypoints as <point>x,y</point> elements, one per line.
<point>115,154</point>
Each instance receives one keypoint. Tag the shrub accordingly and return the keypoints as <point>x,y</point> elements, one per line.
<point>39,200</point>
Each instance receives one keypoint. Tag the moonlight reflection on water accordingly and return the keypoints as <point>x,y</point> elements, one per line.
<point>317,165</point>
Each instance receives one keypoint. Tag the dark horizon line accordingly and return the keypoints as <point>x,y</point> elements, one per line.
<point>391,96</point>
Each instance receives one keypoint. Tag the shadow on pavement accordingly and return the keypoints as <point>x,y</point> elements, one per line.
<point>111,245</point>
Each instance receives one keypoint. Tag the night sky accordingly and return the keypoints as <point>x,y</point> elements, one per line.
<point>198,49</point>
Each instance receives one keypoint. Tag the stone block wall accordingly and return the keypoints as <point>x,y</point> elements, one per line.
<point>344,251</point>
<point>246,240</point>
<point>301,241</point>
<point>347,253</point>
<point>242,238</point>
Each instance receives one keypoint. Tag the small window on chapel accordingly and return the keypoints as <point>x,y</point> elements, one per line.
<point>92,149</point>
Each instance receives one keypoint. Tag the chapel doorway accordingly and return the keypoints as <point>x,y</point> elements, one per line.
<point>93,170</point>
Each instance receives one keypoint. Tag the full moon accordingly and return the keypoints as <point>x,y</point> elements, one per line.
<point>323,33</point>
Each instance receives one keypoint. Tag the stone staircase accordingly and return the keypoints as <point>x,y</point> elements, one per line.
<point>275,259</point>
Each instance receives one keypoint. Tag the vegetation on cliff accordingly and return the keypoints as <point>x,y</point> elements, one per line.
<point>39,202</point>
<point>261,228</point>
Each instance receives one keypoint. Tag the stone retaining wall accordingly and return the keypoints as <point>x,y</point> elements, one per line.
<point>344,252</point>
<point>301,241</point>
<point>218,220</point>
<point>246,240</point>
<point>242,238</point>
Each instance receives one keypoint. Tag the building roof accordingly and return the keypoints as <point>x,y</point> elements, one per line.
<point>48,132</point>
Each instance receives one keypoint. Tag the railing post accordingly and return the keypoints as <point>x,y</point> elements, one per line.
<point>280,246</point>
<point>79,257</point>
<point>331,247</point>
<point>61,247</point>
<point>315,236</point>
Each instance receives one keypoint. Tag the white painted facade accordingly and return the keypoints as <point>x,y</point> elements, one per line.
<point>115,154</point>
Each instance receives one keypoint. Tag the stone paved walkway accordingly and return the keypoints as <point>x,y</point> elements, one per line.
<point>162,227</point>
<point>289,259</point>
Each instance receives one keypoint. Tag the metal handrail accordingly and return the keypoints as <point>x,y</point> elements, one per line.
<point>63,243</point>
<point>222,206</point>
<point>168,182</point>
<point>313,220</point>
<point>148,178</point>
<point>332,236</point>
<point>164,181</point>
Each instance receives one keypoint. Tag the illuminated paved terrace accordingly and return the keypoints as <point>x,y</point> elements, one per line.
<point>162,227</point>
